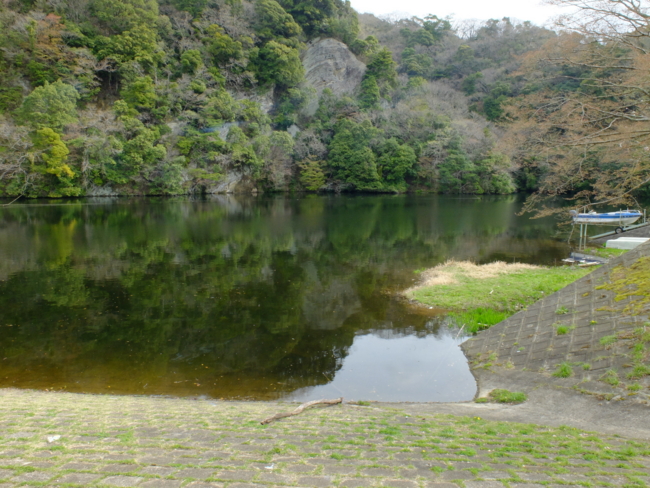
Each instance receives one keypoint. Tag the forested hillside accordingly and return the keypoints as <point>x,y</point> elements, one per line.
<point>105,97</point>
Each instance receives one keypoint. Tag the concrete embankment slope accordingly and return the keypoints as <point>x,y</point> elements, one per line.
<point>591,338</point>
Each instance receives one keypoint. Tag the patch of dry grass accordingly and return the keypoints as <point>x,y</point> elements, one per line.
<point>505,287</point>
<point>450,272</point>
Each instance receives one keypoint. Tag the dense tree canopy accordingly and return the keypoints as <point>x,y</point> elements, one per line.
<point>122,15</point>
<point>275,63</point>
<point>51,105</point>
<point>166,97</point>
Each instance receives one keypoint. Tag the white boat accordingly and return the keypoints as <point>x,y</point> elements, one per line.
<point>617,219</point>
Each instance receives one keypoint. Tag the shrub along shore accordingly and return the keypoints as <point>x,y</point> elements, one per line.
<point>479,296</point>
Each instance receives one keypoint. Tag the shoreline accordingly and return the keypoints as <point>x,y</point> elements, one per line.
<point>630,420</point>
<point>480,296</point>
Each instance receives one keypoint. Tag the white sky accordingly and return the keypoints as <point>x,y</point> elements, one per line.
<point>532,10</point>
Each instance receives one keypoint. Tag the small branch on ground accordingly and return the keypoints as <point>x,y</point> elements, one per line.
<point>298,410</point>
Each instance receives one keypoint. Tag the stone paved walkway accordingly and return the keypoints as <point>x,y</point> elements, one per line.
<point>116,441</point>
<point>592,336</point>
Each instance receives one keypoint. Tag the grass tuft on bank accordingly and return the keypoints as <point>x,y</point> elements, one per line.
<point>479,318</point>
<point>503,396</point>
<point>479,296</point>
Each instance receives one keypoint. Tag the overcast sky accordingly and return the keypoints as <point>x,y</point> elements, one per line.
<point>532,10</point>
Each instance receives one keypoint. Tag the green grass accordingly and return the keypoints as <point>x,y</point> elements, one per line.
<point>504,396</point>
<point>391,430</point>
<point>639,371</point>
<point>608,340</point>
<point>506,292</point>
<point>563,370</point>
<point>479,303</point>
<point>563,329</point>
<point>126,437</point>
<point>478,318</point>
<point>610,377</point>
<point>605,252</point>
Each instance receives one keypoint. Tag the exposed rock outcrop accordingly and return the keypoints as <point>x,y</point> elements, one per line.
<point>330,64</point>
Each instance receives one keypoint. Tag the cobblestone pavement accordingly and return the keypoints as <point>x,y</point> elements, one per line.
<point>592,336</point>
<point>159,442</point>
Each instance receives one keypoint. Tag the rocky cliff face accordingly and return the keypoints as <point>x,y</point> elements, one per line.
<point>330,64</point>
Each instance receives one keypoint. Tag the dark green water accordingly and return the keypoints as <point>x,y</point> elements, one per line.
<point>245,297</point>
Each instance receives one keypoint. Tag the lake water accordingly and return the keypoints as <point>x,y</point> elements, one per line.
<point>246,297</point>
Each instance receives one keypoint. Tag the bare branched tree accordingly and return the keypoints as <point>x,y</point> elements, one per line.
<point>588,130</point>
<point>16,160</point>
<point>618,21</point>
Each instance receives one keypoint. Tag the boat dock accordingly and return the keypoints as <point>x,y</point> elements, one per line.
<point>638,230</point>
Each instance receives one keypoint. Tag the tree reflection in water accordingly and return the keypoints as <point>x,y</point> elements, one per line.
<point>231,297</point>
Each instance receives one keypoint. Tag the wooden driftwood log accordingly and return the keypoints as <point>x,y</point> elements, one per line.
<point>298,410</point>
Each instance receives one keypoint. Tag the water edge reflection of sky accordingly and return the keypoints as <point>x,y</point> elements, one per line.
<point>400,369</point>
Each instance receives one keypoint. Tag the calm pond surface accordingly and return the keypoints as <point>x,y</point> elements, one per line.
<point>245,297</point>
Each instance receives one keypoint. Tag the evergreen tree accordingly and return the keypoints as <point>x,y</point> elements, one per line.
<point>395,163</point>
<point>123,15</point>
<point>383,69</point>
<point>369,95</point>
<point>351,159</point>
<point>274,22</point>
<point>275,63</point>
<point>51,105</point>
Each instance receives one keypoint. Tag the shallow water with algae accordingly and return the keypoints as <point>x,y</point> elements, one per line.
<point>246,297</point>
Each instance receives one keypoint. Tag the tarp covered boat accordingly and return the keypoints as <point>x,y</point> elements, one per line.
<point>618,219</point>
